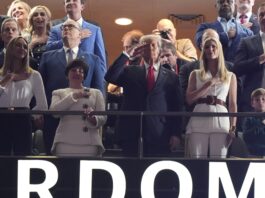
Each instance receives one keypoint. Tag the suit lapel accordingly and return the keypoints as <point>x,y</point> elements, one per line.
<point>62,57</point>
<point>218,26</point>
<point>160,79</point>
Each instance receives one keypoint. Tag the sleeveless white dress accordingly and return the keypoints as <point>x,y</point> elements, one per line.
<point>211,124</point>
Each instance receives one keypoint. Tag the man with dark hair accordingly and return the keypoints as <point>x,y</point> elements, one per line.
<point>169,58</point>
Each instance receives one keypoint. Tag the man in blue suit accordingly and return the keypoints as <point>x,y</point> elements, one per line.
<point>230,31</point>
<point>148,87</point>
<point>52,68</point>
<point>92,40</point>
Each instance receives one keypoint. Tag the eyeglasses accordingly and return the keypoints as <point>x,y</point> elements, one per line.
<point>69,27</point>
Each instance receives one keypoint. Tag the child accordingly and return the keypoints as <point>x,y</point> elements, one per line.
<point>254,127</point>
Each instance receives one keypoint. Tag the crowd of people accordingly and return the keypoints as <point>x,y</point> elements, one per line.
<point>61,65</point>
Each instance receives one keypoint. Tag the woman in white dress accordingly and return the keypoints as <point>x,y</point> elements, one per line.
<point>78,135</point>
<point>208,88</point>
<point>18,84</point>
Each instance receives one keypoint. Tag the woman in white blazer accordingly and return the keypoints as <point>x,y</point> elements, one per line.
<point>78,135</point>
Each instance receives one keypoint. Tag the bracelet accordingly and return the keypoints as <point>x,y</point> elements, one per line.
<point>232,129</point>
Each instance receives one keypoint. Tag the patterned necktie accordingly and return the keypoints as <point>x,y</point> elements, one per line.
<point>243,18</point>
<point>150,78</point>
<point>70,55</point>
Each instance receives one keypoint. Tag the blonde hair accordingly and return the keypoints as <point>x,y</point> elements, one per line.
<point>10,58</point>
<point>48,14</point>
<point>26,6</point>
<point>222,71</point>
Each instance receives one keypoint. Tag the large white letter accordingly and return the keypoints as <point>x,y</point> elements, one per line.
<point>118,178</point>
<point>219,170</point>
<point>23,182</point>
<point>185,180</point>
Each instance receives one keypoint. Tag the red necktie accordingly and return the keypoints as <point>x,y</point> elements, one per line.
<point>150,78</point>
<point>243,18</point>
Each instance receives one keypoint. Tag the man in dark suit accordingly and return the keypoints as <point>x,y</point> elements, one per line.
<point>245,16</point>
<point>52,69</point>
<point>92,40</point>
<point>148,87</point>
<point>230,31</point>
<point>169,58</point>
<point>250,62</point>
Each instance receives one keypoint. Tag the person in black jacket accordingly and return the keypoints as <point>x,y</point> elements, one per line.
<point>148,87</point>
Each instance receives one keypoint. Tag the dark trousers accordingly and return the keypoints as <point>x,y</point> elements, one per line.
<point>49,129</point>
<point>131,149</point>
<point>15,134</point>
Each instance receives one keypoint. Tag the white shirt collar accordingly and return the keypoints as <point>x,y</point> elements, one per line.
<point>75,50</point>
<point>220,19</point>
<point>156,66</point>
<point>80,21</point>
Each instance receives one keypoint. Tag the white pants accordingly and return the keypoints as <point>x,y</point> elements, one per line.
<point>63,149</point>
<point>202,144</point>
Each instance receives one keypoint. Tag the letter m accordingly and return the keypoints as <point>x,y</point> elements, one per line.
<point>218,172</point>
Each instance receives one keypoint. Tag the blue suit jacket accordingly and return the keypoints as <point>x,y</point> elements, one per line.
<point>93,44</point>
<point>52,70</point>
<point>247,65</point>
<point>228,48</point>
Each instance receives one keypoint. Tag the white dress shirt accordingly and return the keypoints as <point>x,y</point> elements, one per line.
<point>20,93</point>
<point>74,50</point>
<point>156,68</point>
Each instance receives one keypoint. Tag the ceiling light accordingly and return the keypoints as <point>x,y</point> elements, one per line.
<point>123,21</point>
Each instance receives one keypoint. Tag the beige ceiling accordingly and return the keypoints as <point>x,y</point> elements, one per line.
<point>144,13</point>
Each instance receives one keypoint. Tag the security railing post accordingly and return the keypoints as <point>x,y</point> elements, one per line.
<point>140,143</point>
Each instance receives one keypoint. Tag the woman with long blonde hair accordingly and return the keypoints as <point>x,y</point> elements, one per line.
<point>39,25</point>
<point>209,88</point>
<point>18,84</point>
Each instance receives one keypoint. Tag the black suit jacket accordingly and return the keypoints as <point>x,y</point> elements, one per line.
<point>247,65</point>
<point>166,96</point>
<point>255,24</point>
